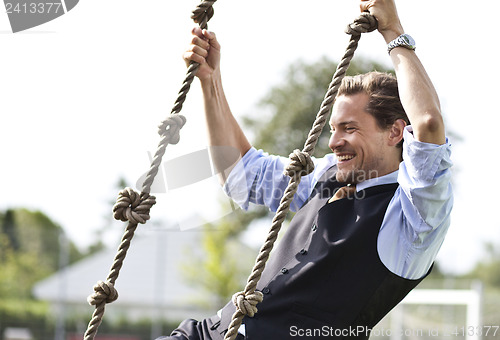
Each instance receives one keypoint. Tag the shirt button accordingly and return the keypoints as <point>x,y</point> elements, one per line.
<point>314,227</point>
<point>284,271</point>
<point>266,290</point>
<point>303,252</point>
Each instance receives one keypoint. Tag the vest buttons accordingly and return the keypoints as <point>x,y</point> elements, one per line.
<point>284,271</point>
<point>266,291</point>
<point>303,252</point>
<point>314,227</point>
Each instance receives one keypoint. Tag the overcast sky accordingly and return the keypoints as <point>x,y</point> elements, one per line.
<point>81,98</point>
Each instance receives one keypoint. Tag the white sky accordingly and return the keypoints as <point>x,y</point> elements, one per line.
<point>81,97</point>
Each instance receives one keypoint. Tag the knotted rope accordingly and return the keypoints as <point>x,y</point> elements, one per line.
<point>201,15</point>
<point>300,165</point>
<point>134,207</point>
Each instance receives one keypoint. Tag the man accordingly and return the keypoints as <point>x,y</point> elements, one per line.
<point>353,252</point>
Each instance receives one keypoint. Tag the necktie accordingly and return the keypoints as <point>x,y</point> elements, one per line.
<point>345,192</point>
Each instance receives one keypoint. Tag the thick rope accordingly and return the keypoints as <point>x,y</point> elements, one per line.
<point>300,165</point>
<point>201,15</point>
<point>134,207</point>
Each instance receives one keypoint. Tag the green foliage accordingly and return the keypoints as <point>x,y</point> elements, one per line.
<point>139,328</point>
<point>222,268</point>
<point>293,104</point>
<point>26,313</point>
<point>36,316</point>
<point>29,251</point>
<point>488,270</point>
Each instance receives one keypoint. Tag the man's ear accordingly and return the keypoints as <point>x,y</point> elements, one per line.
<point>396,132</point>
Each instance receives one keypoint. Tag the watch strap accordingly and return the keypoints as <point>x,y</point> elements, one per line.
<point>404,40</point>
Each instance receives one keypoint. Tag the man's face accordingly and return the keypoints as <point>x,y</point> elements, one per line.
<point>362,148</point>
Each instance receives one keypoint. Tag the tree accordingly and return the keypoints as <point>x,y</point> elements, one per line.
<point>293,104</point>
<point>29,251</point>
<point>9,229</point>
<point>224,265</point>
<point>488,270</point>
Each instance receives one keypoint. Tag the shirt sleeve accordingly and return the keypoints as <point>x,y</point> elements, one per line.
<point>418,216</point>
<point>259,178</point>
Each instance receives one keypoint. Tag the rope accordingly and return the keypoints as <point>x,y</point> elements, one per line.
<point>300,165</point>
<point>133,207</point>
<point>201,15</point>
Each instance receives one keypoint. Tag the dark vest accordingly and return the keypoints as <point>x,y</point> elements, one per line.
<point>325,278</point>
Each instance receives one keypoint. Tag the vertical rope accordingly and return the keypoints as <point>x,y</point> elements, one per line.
<point>300,165</point>
<point>134,207</point>
<point>201,15</point>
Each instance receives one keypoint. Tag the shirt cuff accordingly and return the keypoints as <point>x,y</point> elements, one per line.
<point>424,162</point>
<point>237,185</point>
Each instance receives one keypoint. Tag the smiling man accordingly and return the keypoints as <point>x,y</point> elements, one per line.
<point>367,127</point>
<point>370,218</point>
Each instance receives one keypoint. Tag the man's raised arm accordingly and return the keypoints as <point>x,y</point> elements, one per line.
<point>417,94</point>
<point>223,129</point>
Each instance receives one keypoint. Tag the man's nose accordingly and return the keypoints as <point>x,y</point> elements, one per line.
<point>335,141</point>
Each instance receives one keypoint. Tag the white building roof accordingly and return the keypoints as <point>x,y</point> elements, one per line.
<point>151,277</point>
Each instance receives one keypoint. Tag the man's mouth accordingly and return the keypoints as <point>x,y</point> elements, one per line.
<point>345,158</point>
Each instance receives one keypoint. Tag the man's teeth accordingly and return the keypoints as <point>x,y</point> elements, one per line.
<point>345,157</point>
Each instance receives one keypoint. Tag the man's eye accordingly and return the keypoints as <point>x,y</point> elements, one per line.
<point>350,129</point>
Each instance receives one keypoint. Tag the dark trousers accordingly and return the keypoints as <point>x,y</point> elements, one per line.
<point>198,330</point>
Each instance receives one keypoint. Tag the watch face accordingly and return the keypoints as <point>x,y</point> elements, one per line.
<point>404,40</point>
<point>408,40</point>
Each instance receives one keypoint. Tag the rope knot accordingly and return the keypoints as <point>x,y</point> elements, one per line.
<point>203,12</point>
<point>362,24</point>
<point>132,206</point>
<point>301,164</point>
<point>103,292</point>
<point>247,303</point>
<point>170,128</point>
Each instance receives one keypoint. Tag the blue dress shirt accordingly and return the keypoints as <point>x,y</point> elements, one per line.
<point>416,220</point>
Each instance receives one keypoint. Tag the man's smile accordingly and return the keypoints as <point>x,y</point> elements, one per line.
<point>344,158</point>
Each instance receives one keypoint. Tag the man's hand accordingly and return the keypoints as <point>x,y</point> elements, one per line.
<point>205,50</point>
<point>387,16</point>
<point>223,129</point>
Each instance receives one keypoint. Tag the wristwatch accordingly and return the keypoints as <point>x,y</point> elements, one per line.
<point>404,40</point>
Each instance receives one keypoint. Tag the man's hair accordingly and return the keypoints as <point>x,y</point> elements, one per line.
<point>382,88</point>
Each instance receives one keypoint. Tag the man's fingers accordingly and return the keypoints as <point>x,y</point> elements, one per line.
<point>204,49</point>
<point>197,31</point>
<point>212,39</point>
<point>196,53</point>
<point>201,42</point>
<point>204,38</point>
<point>191,56</point>
<point>365,5</point>
<point>199,50</point>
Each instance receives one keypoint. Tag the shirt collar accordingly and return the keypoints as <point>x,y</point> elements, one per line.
<point>386,179</point>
